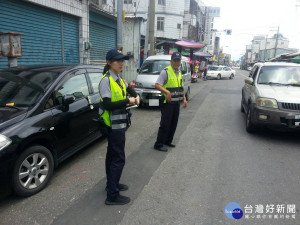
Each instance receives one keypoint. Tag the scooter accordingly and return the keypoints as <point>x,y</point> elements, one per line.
<point>194,78</point>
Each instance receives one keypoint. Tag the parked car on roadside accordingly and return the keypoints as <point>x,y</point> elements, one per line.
<point>219,72</point>
<point>270,96</point>
<point>47,113</point>
<point>148,74</point>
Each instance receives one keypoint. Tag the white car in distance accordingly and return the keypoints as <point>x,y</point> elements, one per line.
<point>220,72</point>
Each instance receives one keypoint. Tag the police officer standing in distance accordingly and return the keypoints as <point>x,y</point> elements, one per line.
<point>170,84</point>
<point>113,92</point>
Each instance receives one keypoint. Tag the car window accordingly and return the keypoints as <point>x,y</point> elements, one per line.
<point>188,69</point>
<point>25,88</point>
<point>95,79</point>
<point>50,103</point>
<point>76,86</point>
<point>154,66</point>
<point>214,68</point>
<point>183,68</point>
<point>284,75</point>
<point>252,71</point>
<point>255,69</point>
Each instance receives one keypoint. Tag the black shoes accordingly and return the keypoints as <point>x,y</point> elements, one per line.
<point>121,187</point>
<point>160,148</point>
<point>119,200</point>
<point>171,145</point>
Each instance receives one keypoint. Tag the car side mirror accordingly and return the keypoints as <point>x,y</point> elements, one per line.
<point>67,100</point>
<point>249,81</point>
<point>138,70</point>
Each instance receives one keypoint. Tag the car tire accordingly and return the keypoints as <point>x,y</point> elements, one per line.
<point>231,76</point>
<point>242,108</point>
<point>32,171</point>
<point>218,76</point>
<point>250,127</point>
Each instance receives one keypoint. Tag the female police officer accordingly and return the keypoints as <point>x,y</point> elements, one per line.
<point>113,97</point>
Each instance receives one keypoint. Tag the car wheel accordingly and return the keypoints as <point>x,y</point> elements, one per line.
<point>231,76</point>
<point>32,171</point>
<point>250,127</point>
<point>242,108</point>
<point>219,77</point>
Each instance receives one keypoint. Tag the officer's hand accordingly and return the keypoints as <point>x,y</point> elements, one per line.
<point>137,100</point>
<point>169,97</point>
<point>185,103</point>
<point>131,100</point>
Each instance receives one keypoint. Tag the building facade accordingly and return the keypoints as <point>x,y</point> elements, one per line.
<point>53,31</point>
<point>264,48</point>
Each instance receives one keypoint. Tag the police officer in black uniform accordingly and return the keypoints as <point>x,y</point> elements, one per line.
<point>170,83</point>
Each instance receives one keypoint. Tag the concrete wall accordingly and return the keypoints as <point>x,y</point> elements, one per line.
<point>75,8</point>
<point>131,43</point>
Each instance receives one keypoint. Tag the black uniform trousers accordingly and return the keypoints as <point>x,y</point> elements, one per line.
<point>115,161</point>
<point>168,123</point>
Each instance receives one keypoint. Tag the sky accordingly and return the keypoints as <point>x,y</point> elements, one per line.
<point>248,18</point>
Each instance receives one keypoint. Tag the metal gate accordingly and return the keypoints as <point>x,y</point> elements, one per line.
<point>49,36</point>
<point>103,35</point>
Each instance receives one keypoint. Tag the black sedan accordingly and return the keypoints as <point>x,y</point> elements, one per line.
<point>47,113</point>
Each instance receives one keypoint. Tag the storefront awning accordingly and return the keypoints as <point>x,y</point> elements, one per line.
<point>203,54</point>
<point>189,44</point>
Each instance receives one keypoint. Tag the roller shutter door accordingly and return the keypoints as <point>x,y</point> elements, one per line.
<point>103,35</point>
<point>49,36</point>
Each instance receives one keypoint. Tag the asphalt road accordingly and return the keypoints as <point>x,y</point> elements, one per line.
<point>215,162</point>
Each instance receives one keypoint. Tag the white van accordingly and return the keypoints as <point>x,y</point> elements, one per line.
<point>148,74</point>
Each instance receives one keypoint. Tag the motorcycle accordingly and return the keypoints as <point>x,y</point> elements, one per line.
<point>194,77</point>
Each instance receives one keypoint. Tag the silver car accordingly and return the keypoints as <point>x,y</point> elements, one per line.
<point>271,96</point>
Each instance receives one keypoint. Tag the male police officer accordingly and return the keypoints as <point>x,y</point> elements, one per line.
<point>170,84</point>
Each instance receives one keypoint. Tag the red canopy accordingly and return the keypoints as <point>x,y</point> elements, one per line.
<point>189,44</point>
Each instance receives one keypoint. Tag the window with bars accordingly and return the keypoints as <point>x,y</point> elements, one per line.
<point>162,2</point>
<point>127,1</point>
<point>160,23</point>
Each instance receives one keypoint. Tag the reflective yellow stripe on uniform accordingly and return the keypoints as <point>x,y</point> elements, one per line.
<point>115,118</point>
<point>174,85</point>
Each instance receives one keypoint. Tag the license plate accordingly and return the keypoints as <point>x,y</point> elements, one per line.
<point>153,102</point>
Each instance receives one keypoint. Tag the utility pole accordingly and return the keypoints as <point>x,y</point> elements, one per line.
<point>119,24</point>
<point>151,16</point>
<point>276,42</point>
<point>146,37</point>
<point>151,25</point>
<point>259,57</point>
<point>265,48</point>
